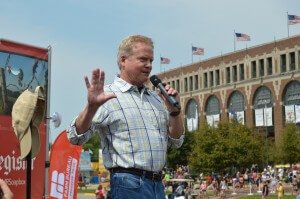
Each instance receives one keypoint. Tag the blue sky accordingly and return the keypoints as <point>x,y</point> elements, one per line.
<point>85,34</point>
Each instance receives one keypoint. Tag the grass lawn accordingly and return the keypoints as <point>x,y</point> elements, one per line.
<point>86,190</point>
<point>272,196</point>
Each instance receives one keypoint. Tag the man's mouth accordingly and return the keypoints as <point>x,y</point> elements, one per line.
<point>146,73</point>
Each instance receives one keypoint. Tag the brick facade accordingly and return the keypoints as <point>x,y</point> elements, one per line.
<point>269,58</point>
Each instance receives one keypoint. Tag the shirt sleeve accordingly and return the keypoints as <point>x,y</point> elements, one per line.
<point>98,121</point>
<point>76,139</point>
<point>176,143</point>
<point>173,142</point>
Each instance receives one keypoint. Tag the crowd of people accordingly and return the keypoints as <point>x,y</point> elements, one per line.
<point>269,180</point>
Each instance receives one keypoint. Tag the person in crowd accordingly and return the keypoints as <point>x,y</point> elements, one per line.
<point>100,194</point>
<point>223,188</point>
<point>203,189</point>
<point>188,193</point>
<point>273,183</point>
<point>254,177</point>
<point>265,190</point>
<point>136,125</point>
<point>215,186</point>
<point>5,192</point>
<point>246,178</point>
<point>237,181</point>
<point>179,190</point>
<point>294,183</point>
<point>298,187</point>
<point>280,190</point>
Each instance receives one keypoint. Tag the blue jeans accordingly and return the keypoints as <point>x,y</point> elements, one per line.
<point>126,185</point>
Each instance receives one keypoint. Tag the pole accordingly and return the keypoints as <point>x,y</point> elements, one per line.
<point>192,52</point>
<point>233,187</point>
<point>288,29</point>
<point>160,63</point>
<point>47,163</point>
<point>275,45</point>
<point>266,128</point>
<point>259,191</point>
<point>234,39</point>
<point>250,194</point>
<point>28,176</point>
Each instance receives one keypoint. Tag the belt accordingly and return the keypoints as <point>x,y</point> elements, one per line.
<point>155,176</point>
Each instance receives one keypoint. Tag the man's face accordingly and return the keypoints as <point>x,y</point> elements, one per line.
<point>135,69</point>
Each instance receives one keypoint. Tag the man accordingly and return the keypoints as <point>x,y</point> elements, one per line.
<point>134,123</point>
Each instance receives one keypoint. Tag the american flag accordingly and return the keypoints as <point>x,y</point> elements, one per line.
<point>164,60</point>
<point>242,37</point>
<point>293,19</point>
<point>197,51</point>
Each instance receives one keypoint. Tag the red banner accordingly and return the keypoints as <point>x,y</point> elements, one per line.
<point>63,172</point>
<point>21,67</point>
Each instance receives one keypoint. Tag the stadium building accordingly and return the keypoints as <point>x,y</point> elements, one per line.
<point>259,86</point>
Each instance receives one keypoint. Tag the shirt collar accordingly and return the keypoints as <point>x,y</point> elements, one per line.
<point>125,86</point>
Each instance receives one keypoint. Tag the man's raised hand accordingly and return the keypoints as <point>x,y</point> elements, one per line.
<point>96,96</point>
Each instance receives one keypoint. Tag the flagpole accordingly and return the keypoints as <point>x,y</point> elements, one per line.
<point>160,63</point>
<point>288,29</point>
<point>192,52</point>
<point>234,39</point>
<point>275,43</point>
<point>222,55</point>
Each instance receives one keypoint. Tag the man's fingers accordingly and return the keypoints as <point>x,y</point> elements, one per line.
<point>102,77</point>
<point>95,76</point>
<point>87,83</point>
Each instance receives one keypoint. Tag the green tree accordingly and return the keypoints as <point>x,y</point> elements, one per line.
<point>94,144</point>
<point>180,156</point>
<point>290,144</point>
<point>227,146</point>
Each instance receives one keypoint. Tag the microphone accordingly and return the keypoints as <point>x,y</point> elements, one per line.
<point>158,84</point>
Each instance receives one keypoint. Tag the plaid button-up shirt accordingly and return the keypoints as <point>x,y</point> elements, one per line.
<point>133,128</point>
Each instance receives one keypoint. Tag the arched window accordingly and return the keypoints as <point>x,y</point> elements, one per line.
<point>291,101</point>
<point>263,107</point>
<point>192,115</point>
<point>212,110</point>
<point>236,107</point>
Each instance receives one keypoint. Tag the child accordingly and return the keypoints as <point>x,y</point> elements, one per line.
<point>100,192</point>
<point>280,191</point>
<point>265,191</point>
<point>223,188</point>
<point>202,192</point>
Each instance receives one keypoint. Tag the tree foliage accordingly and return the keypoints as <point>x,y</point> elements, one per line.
<point>180,156</point>
<point>227,146</point>
<point>290,144</point>
<point>94,144</point>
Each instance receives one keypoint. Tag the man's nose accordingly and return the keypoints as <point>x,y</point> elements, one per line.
<point>149,64</point>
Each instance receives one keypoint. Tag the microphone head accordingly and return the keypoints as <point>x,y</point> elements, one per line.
<point>154,80</point>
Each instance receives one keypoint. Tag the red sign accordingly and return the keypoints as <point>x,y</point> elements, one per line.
<point>21,67</point>
<point>63,171</point>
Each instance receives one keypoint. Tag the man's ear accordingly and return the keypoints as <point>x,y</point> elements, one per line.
<point>122,59</point>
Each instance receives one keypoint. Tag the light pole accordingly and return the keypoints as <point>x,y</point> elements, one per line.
<point>266,129</point>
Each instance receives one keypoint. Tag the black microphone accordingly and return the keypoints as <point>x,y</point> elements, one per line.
<point>158,84</point>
